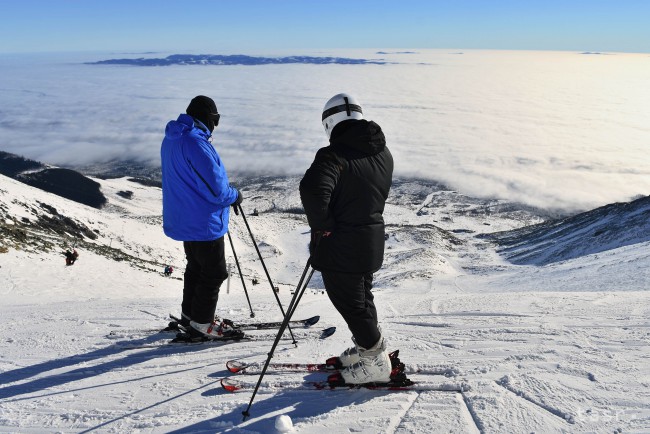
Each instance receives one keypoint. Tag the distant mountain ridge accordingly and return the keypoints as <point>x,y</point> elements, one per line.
<point>554,240</point>
<point>234,59</point>
<point>139,172</point>
<point>605,228</point>
<point>62,182</point>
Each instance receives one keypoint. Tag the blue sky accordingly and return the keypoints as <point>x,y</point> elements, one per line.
<point>256,26</point>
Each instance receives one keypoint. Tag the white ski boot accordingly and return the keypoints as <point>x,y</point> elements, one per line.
<point>374,365</point>
<point>350,356</point>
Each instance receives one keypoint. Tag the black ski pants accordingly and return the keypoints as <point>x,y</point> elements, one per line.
<point>204,274</point>
<point>351,295</point>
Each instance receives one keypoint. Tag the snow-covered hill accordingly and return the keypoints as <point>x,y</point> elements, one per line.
<point>514,345</point>
<point>606,228</point>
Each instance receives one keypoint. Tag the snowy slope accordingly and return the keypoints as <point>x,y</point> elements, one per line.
<point>606,228</point>
<point>561,347</point>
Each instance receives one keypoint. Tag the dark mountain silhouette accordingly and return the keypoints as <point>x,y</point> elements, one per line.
<point>62,182</point>
<point>235,59</point>
<point>12,165</point>
<point>605,228</point>
<point>139,172</point>
<point>66,183</point>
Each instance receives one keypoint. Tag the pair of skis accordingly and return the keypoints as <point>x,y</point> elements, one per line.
<point>231,384</point>
<point>398,382</point>
<point>175,324</point>
<point>235,385</point>
<point>233,332</point>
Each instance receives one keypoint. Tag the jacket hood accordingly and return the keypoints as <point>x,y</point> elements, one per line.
<point>360,135</point>
<point>183,125</point>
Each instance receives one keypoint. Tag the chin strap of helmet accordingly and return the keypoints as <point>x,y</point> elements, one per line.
<point>347,105</point>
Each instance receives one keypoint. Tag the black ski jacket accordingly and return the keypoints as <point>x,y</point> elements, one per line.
<point>344,192</point>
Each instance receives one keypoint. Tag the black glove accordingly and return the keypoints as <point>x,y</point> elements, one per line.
<point>315,239</point>
<point>235,205</point>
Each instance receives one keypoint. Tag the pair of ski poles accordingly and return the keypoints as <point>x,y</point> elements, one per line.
<point>306,276</point>
<point>290,310</point>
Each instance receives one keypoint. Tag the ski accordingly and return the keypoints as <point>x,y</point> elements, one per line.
<point>175,326</point>
<point>240,367</point>
<point>308,322</point>
<point>229,325</point>
<point>178,344</point>
<point>398,379</point>
<point>172,327</point>
<point>233,385</point>
<point>333,364</point>
<point>183,339</point>
<point>187,338</point>
<point>237,334</point>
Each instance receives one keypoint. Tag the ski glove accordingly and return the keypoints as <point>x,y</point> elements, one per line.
<point>235,205</point>
<point>315,239</point>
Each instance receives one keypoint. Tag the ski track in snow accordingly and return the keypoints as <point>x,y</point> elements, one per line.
<point>558,348</point>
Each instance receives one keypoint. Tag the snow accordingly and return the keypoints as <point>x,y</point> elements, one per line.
<point>283,423</point>
<point>560,347</point>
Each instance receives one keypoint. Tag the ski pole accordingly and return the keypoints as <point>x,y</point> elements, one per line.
<point>285,323</point>
<point>241,276</point>
<point>268,276</point>
<point>295,305</point>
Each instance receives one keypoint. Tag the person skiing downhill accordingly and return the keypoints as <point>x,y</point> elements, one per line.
<point>196,202</point>
<point>343,193</point>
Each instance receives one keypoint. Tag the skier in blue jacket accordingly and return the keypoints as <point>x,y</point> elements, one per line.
<point>196,206</point>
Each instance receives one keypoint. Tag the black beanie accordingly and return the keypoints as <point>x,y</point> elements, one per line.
<point>204,109</point>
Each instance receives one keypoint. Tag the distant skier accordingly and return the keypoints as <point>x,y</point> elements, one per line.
<point>168,270</point>
<point>196,206</point>
<point>71,256</point>
<point>343,194</point>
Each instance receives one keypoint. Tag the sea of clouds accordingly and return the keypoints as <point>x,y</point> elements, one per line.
<point>558,130</point>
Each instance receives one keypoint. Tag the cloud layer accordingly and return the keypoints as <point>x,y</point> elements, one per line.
<point>550,129</point>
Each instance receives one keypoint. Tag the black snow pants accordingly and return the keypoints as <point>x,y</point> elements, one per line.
<point>204,274</point>
<point>351,295</point>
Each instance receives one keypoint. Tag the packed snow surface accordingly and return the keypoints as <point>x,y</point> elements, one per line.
<point>558,347</point>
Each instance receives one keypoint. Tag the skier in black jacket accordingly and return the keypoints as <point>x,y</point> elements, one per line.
<point>344,193</point>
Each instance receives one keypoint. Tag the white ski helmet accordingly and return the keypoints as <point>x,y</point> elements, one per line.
<point>339,108</point>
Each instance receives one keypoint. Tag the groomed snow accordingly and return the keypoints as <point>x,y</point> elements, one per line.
<point>558,348</point>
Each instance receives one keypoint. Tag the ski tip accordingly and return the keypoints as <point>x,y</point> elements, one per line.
<point>328,332</point>
<point>235,366</point>
<point>311,321</point>
<point>230,385</point>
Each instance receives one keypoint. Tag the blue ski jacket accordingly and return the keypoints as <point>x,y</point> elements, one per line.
<point>196,192</point>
